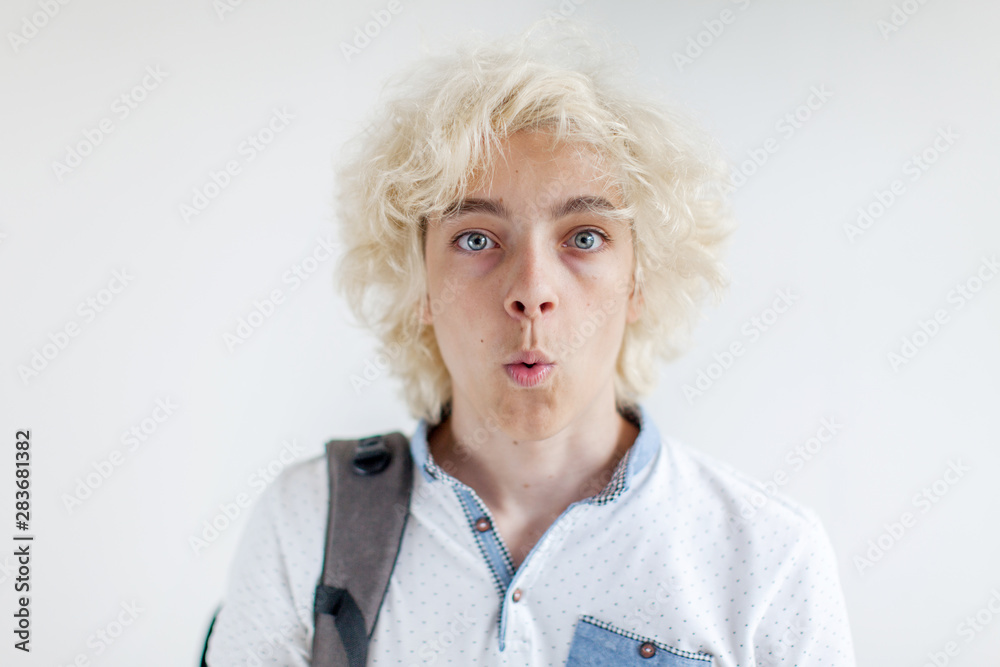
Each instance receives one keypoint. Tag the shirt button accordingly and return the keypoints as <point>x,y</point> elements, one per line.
<point>647,650</point>
<point>483,524</point>
<point>516,595</point>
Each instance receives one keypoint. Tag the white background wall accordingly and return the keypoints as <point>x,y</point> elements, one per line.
<point>161,337</point>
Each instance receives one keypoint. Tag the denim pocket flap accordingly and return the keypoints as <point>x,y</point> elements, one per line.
<point>600,644</point>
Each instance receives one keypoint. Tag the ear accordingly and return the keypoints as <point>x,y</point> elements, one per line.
<point>636,302</point>
<point>425,311</point>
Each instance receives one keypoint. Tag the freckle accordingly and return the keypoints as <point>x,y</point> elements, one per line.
<point>527,486</point>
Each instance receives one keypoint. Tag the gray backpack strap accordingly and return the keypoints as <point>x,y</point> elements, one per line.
<point>370,482</point>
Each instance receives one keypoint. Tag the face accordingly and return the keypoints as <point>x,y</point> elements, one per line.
<point>525,265</point>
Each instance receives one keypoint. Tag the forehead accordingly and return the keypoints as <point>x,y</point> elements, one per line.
<point>536,152</point>
<point>557,208</point>
<point>535,162</point>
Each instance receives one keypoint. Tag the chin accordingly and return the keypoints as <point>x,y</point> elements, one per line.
<point>525,416</point>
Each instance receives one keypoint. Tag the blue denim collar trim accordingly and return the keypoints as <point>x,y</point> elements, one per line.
<point>646,444</point>
<point>418,449</point>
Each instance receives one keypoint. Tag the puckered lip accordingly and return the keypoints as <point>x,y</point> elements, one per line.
<point>530,357</point>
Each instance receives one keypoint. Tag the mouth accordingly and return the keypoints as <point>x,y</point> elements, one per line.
<point>529,375</point>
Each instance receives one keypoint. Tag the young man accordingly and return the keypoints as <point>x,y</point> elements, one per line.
<point>527,239</point>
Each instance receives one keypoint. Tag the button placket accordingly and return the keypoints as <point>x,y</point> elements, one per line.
<point>486,535</point>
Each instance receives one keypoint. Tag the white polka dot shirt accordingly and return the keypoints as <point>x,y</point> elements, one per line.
<point>668,565</point>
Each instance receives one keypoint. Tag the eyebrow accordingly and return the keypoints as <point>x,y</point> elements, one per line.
<point>493,207</point>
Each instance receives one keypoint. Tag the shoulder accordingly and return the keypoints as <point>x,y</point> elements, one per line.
<point>776,545</point>
<point>273,574</point>
<point>299,491</point>
<point>308,471</point>
<point>741,503</point>
<point>288,510</point>
<point>283,542</point>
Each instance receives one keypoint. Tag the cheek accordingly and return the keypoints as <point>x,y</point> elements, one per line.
<point>447,293</point>
<point>603,320</point>
<point>460,318</point>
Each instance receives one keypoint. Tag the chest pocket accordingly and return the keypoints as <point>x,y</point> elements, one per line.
<point>600,644</point>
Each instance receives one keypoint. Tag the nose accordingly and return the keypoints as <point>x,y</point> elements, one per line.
<point>532,282</point>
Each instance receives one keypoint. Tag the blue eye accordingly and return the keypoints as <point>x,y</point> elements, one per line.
<point>475,241</point>
<point>586,239</point>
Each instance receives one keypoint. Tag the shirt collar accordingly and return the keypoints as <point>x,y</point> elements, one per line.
<point>642,451</point>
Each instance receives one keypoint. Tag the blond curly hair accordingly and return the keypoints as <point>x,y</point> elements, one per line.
<point>444,117</point>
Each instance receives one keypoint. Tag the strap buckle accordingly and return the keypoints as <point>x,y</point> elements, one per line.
<point>371,456</point>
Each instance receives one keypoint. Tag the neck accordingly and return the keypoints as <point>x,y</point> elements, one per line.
<point>528,477</point>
